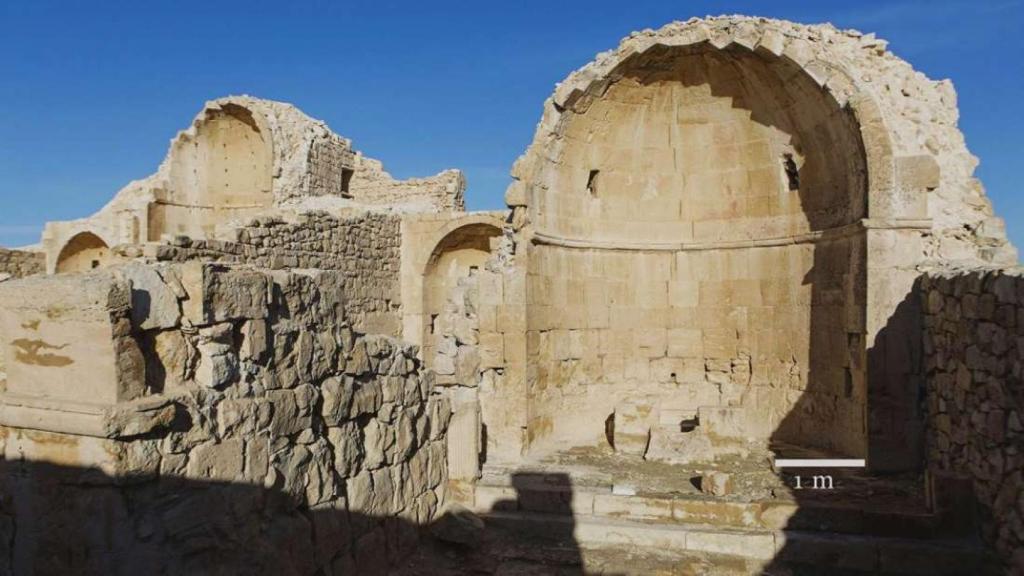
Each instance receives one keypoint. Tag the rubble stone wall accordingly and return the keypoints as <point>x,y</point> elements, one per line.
<point>365,248</point>
<point>974,357</point>
<point>274,439</point>
<point>245,157</point>
<point>20,263</point>
<point>371,185</point>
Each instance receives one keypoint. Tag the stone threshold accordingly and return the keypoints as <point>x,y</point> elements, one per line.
<point>669,509</point>
<point>863,553</point>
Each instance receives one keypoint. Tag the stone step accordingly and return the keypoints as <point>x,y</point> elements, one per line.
<point>672,509</point>
<point>840,554</point>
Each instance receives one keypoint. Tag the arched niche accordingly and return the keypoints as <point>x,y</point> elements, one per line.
<point>697,244</point>
<point>695,144</point>
<point>459,254</point>
<point>84,251</point>
<point>220,171</point>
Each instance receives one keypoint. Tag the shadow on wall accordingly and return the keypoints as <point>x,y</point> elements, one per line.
<point>894,506</point>
<point>896,390</point>
<point>67,520</point>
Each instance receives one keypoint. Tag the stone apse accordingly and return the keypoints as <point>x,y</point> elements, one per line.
<point>723,226</point>
<point>710,248</point>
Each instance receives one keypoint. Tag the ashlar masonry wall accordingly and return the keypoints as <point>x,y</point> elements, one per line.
<point>696,243</point>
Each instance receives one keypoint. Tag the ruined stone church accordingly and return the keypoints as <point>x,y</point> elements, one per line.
<point>732,240</point>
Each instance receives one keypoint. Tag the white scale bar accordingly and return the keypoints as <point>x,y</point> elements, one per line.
<point>819,463</point>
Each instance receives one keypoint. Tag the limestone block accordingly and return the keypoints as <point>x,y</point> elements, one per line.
<point>321,485</point>
<point>347,441</point>
<point>218,365</point>
<point>359,361</point>
<point>154,302</point>
<point>720,342</point>
<point>467,366</point>
<point>492,350</point>
<point>733,423</point>
<point>287,417</point>
<point>666,370</point>
<point>338,394</point>
<point>254,340</point>
<point>634,419</point>
<point>289,471</point>
<point>257,459</point>
<point>716,483</point>
<point>652,341</point>
<point>174,355</point>
<point>464,442</point>
<point>515,194</point>
<point>685,343</point>
<point>668,444</point>
<point>139,417</point>
<point>69,338</point>
<point>216,293</point>
<point>918,172</point>
<point>378,440</point>
<point>237,416</point>
<point>367,399</point>
<point>216,460</point>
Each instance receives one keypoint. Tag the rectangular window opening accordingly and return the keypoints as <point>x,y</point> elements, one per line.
<point>346,180</point>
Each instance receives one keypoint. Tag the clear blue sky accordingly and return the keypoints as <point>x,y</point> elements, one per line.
<point>91,92</point>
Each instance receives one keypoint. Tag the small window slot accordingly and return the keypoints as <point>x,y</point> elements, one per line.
<point>346,181</point>
<point>792,173</point>
<point>592,180</point>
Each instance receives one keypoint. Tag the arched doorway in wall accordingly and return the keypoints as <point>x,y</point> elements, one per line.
<point>458,255</point>
<point>705,203</point>
<point>220,171</point>
<point>84,251</point>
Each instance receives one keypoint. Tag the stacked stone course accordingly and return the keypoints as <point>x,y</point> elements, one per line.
<point>268,434</point>
<point>371,185</point>
<point>363,248</point>
<point>20,263</point>
<point>974,363</point>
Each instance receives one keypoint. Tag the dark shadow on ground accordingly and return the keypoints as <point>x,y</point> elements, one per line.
<point>909,532</point>
<point>531,533</point>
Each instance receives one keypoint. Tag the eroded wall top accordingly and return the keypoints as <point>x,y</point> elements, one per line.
<point>918,166</point>
<point>244,157</point>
